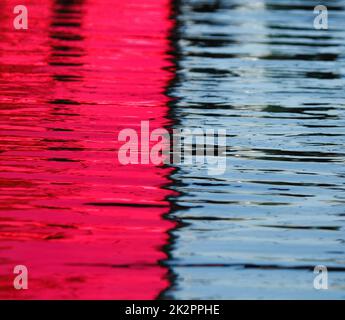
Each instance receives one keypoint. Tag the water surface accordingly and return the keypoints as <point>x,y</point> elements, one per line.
<point>261,71</point>
<point>83,224</point>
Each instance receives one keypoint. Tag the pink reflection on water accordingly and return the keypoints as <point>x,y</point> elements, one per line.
<point>84,225</point>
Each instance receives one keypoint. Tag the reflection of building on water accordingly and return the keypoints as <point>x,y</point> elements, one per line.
<point>260,70</point>
<point>84,225</point>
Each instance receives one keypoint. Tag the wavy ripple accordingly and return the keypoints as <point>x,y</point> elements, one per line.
<point>260,70</point>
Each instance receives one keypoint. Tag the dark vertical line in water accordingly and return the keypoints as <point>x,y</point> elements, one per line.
<point>66,39</point>
<point>175,55</point>
<point>66,59</point>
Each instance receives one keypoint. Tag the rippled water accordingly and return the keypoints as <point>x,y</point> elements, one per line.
<point>260,70</point>
<point>88,227</point>
<point>83,224</point>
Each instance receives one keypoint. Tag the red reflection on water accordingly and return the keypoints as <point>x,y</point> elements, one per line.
<point>84,225</point>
